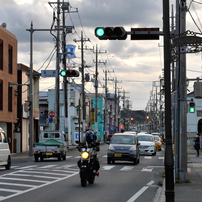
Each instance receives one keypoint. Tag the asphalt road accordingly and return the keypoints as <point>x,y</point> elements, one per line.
<point>53,180</point>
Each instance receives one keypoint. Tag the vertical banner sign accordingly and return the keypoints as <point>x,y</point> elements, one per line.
<point>70,49</point>
<point>92,116</point>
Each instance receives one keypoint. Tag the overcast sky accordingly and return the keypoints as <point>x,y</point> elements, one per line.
<point>136,64</point>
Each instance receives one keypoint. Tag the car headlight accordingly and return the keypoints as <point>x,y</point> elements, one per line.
<point>133,148</point>
<point>85,155</point>
<point>111,147</point>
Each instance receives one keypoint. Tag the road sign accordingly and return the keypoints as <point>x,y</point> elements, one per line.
<point>51,114</point>
<point>145,33</point>
<point>70,48</point>
<point>48,73</point>
<point>51,120</point>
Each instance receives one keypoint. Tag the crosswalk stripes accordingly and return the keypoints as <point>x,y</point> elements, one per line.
<point>28,178</point>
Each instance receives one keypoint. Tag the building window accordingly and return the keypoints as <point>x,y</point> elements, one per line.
<point>1,54</point>
<point>1,94</point>
<point>199,113</point>
<point>10,59</point>
<point>10,100</point>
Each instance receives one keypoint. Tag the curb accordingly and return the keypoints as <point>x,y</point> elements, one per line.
<point>160,197</point>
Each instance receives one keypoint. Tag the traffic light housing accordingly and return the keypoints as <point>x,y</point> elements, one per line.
<point>69,73</point>
<point>192,107</point>
<point>26,106</point>
<point>111,33</point>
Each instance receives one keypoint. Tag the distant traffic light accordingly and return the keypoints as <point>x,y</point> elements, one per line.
<point>147,117</point>
<point>26,106</point>
<point>111,33</point>
<point>192,107</point>
<point>131,118</point>
<point>69,73</point>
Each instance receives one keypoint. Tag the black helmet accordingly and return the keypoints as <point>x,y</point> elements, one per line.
<point>90,137</point>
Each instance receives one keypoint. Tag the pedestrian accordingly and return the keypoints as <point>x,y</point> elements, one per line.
<point>197,144</point>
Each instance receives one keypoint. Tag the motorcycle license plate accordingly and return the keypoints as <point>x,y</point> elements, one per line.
<point>49,153</point>
<point>117,154</point>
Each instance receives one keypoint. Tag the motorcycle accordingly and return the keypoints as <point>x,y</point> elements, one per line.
<point>88,163</point>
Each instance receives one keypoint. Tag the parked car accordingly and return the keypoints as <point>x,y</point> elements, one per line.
<point>158,142</point>
<point>147,143</point>
<point>5,155</point>
<point>123,147</point>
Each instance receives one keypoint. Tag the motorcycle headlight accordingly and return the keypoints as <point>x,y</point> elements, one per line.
<point>85,155</point>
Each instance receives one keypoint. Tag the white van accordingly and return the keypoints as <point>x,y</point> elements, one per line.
<point>5,156</point>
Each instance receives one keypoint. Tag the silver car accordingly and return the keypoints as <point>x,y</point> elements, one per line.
<point>147,143</point>
<point>123,147</point>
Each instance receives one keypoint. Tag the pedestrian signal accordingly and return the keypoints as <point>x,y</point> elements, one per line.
<point>192,107</point>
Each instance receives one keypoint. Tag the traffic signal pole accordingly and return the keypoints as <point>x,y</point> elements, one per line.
<point>169,177</point>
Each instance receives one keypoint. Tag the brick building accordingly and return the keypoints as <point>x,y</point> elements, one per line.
<point>8,74</point>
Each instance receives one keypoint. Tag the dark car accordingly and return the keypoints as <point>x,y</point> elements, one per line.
<point>123,147</point>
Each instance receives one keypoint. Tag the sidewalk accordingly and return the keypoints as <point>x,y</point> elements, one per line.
<point>192,190</point>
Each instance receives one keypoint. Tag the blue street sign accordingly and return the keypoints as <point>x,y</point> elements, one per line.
<point>48,73</point>
<point>50,120</point>
<point>70,48</point>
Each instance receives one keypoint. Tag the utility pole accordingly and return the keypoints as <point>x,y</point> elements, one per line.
<point>83,85</point>
<point>169,177</point>
<point>116,103</point>
<point>31,131</point>
<point>183,101</point>
<point>96,85</point>
<point>57,78</point>
<point>106,98</point>
<point>64,68</point>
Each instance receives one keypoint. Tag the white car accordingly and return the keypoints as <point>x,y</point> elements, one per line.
<point>147,144</point>
<point>5,156</point>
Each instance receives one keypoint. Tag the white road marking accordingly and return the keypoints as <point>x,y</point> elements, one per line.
<point>147,169</point>
<point>77,157</point>
<point>44,173</point>
<point>68,157</point>
<point>16,184</point>
<point>127,168</point>
<point>48,166</point>
<point>107,167</point>
<point>10,190</point>
<point>141,191</point>
<point>30,187</point>
<point>148,157</point>
<point>105,156</point>
<point>27,167</point>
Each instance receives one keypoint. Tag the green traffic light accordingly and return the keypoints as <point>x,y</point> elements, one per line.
<point>192,110</point>
<point>100,32</point>
<point>63,73</point>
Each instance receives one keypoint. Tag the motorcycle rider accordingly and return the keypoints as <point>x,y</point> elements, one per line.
<point>91,141</point>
